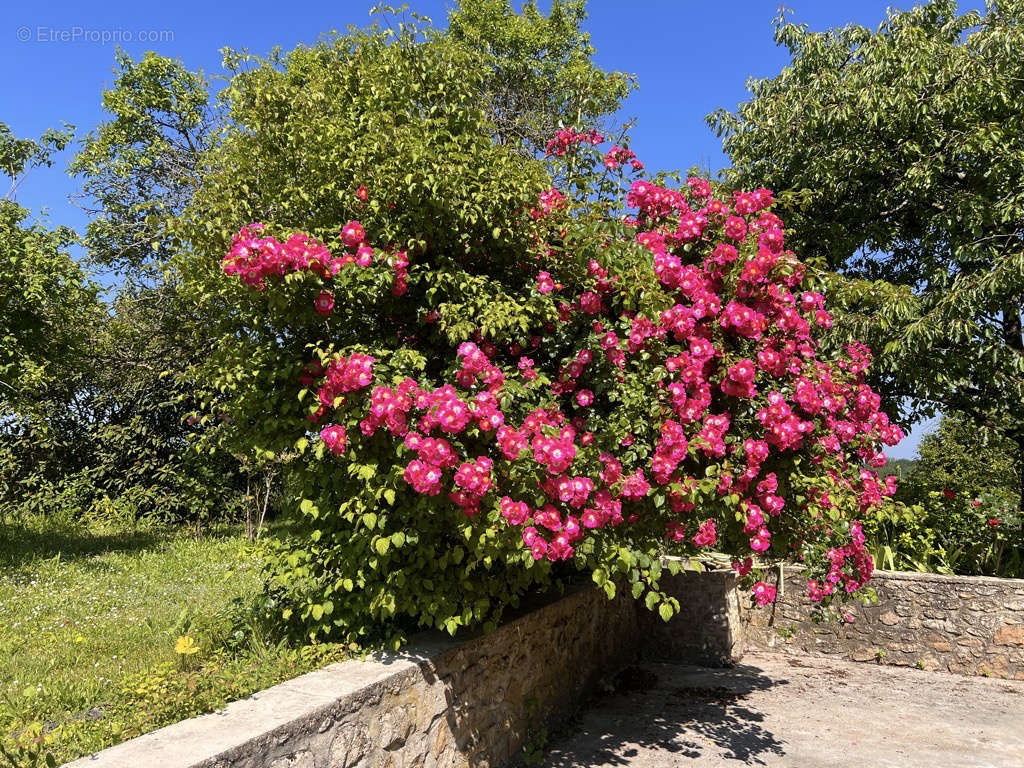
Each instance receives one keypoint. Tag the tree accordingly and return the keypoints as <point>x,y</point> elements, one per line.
<point>966,481</point>
<point>966,462</point>
<point>45,299</point>
<point>139,167</point>
<point>540,72</point>
<point>898,155</point>
<point>49,313</point>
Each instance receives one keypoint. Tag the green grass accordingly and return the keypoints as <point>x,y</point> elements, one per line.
<point>88,626</point>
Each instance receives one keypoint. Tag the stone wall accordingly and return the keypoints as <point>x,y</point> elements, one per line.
<point>970,625</point>
<point>707,630</point>
<point>444,703</point>
<point>477,701</point>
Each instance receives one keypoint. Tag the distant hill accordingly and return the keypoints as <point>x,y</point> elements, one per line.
<point>899,467</point>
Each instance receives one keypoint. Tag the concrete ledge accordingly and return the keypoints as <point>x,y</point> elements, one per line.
<point>262,721</point>
<point>943,578</point>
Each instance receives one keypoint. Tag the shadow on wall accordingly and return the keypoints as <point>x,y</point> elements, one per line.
<point>694,707</point>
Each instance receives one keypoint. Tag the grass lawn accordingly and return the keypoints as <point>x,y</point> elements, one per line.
<point>91,628</point>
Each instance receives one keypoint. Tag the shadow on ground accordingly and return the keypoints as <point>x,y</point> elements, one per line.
<point>678,711</point>
<point>22,545</point>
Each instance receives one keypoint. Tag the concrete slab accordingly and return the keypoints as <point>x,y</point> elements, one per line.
<point>796,712</point>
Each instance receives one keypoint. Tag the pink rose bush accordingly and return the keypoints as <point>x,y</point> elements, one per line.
<point>670,388</point>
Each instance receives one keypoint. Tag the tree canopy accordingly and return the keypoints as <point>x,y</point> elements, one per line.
<point>139,167</point>
<point>45,299</point>
<point>898,156</point>
<point>540,72</point>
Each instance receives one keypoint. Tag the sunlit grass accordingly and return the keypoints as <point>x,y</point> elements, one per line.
<point>89,621</point>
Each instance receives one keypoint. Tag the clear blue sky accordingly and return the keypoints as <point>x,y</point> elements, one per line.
<point>690,58</point>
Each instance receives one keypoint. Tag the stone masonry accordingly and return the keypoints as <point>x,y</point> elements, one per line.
<point>971,625</point>
<point>474,702</point>
<point>479,700</point>
<point>706,631</point>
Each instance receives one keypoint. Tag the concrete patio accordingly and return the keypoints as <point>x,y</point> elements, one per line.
<point>778,710</point>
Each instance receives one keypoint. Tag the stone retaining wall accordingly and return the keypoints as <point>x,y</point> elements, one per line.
<point>443,703</point>
<point>472,702</point>
<point>970,625</point>
<point>707,630</point>
<point>477,701</point>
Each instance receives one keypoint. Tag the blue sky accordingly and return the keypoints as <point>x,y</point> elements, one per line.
<point>689,57</point>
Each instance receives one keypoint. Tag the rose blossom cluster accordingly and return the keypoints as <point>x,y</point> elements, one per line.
<point>566,140</point>
<point>849,567</point>
<point>744,391</point>
<point>548,201</point>
<point>253,258</point>
<point>342,374</point>
<point>618,156</point>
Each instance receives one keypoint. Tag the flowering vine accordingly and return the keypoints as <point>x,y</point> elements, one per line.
<point>756,439</point>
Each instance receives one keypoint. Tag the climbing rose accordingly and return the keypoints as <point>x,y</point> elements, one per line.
<point>334,438</point>
<point>764,593</point>
<point>324,303</point>
<point>720,413</point>
<point>352,234</point>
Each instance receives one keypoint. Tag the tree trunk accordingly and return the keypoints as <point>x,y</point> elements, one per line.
<point>1020,484</point>
<point>1013,329</point>
<point>1019,440</point>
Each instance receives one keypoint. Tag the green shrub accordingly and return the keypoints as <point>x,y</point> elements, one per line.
<point>425,299</point>
<point>959,511</point>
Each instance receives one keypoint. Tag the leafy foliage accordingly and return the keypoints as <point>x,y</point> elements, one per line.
<point>92,412</point>
<point>311,127</point>
<point>538,69</point>
<point>967,481</point>
<point>102,430</point>
<point>45,299</point>
<point>47,307</point>
<point>17,156</point>
<point>139,167</point>
<point>898,156</point>
<point>108,433</point>
<point>959,507</point>
<point>398,245</point>
<point>967,461</point>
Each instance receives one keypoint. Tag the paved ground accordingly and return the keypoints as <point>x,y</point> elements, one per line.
<point>797,712</point>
